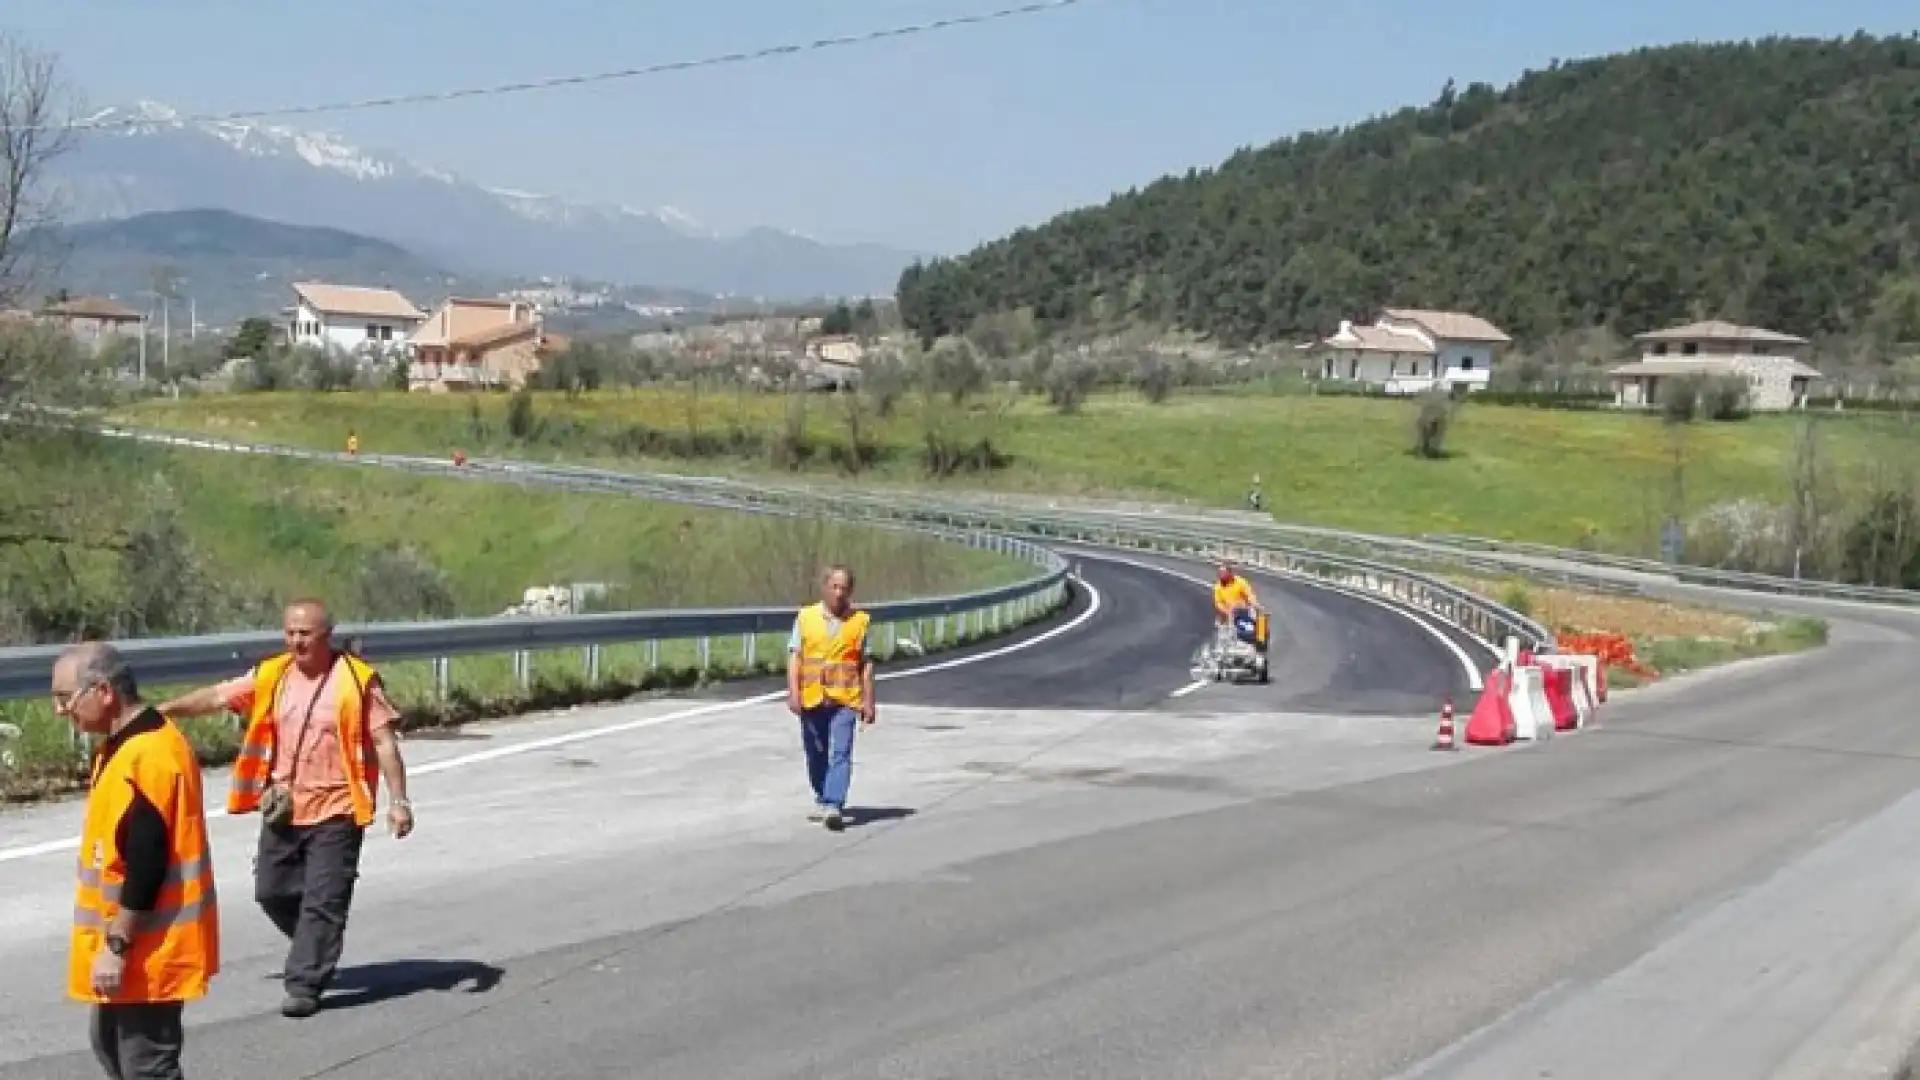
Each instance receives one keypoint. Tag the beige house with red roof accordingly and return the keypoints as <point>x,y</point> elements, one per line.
<point>348,318</point>
<point>480,344</point>
<point>92,321</point>
<point>1770,362</point>
<point>1408,350</point>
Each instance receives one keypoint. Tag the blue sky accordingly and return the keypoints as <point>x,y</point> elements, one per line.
<point>936,142</point>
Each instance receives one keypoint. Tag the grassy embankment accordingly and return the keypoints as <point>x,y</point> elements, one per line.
<point>1668,639</point>
<point>1557,477</point>
<point>1602,479</point>
<point>122,539</point>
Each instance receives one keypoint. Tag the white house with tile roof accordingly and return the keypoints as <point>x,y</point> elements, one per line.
<point>1408,350</point>
<point>348,318</point>
<point>1771,363</point>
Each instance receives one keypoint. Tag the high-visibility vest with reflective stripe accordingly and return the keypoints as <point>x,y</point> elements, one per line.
<point>174,950</point>
<point>253,769</point>
<point>830,662</point>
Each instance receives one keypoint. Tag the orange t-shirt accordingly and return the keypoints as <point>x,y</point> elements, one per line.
<point>320,782</point>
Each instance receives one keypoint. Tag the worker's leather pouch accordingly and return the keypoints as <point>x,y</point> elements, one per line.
<point>276,805</point>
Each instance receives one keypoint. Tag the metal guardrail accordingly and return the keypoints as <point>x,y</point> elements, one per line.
<point>24,670</point>
<point>1689,575</point>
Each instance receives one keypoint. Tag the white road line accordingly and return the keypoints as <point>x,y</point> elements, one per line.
<point>1474,680</point>
<point>694,713</point>
<point>1192,687</point>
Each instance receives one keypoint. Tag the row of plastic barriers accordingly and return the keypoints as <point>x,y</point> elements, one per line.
<point>1530,697</point>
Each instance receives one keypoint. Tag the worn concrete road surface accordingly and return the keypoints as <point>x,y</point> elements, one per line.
<point>1190,890</point>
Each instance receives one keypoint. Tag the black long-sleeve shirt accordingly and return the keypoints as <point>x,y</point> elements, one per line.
<point>141,834</point>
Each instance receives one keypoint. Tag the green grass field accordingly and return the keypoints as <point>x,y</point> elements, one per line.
<point>1559,477</point>
<point>124,539</point>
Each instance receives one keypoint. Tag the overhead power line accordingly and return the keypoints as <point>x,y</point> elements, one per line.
<point>554,82</point>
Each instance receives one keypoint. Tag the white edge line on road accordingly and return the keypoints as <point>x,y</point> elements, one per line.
<point>1199,684</point>
<point>694,713</point>
<point>1474,680</point>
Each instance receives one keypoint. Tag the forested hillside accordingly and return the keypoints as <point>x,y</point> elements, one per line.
<point>1774,182</point>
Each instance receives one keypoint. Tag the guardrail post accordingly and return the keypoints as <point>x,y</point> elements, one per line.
<point>653,654</point>
<point>706,652</point>
<point>522,668</point>
<point>593,665</point>
<point>442,678</point>
<point>749,646</point>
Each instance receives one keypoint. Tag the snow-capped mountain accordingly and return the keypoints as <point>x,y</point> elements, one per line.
<point>147,157</point>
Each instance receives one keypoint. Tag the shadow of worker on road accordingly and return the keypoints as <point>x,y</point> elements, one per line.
<point>857,816</point>
<point>370,984</point>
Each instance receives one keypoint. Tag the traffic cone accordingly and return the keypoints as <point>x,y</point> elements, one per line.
<point>1444,741</point>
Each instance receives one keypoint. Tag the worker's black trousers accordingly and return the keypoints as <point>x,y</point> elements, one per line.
<point>138,1041</point>
<point>303,878</point>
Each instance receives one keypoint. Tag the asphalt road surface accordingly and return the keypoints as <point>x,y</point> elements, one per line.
<point>1174,891</point>
<point>1330,652</point>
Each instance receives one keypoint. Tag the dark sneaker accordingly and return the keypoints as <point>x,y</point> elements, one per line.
<point>834,819</point>
<point>299,1007</point>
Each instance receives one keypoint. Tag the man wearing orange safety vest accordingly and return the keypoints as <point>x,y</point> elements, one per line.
<point>320,736</point>
<point>829,687</point>
<point>146,920</point>
<point>1233,599</point>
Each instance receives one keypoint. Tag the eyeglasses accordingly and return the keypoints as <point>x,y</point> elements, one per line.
<point>65,700</point>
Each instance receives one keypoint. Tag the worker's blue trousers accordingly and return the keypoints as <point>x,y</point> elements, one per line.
<point>826,731</point>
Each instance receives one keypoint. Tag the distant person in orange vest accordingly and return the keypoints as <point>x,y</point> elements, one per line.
<point>146,918</point>
<point>1234,601</point>
<point>320,736</point>
<point>353,443</point>
<point>829,687</point>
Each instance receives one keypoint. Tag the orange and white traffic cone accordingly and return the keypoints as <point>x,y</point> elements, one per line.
<point>1444,741</point>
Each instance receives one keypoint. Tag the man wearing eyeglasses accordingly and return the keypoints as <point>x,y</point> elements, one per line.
<point>146,921</point>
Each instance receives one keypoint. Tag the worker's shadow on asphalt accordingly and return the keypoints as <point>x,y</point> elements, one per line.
<point>370,984</point>
<point>856,816</point>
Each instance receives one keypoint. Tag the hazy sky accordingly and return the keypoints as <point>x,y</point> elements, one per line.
<point>936,142</point>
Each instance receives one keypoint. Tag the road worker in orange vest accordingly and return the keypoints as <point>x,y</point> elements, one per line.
<point>320,736</point>
<point>1234,601</point>
<point>146,919</point>
<point>830,687</point>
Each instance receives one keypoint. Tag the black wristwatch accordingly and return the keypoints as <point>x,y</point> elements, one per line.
<point>117,945</point>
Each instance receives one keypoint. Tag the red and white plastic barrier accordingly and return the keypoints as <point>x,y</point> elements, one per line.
<point>1587,682</point>
<point>1529,697</point>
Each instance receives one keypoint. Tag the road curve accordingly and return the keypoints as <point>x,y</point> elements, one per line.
<point>1050,894</point>
<point>1332,652</point>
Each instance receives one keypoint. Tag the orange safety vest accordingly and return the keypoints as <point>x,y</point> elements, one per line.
<point>174,950</point>
<point>830,663</point>
<point>1231,595</point>
<point>253,770</point>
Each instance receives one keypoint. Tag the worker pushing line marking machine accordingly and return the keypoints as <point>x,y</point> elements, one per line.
<point>1238,649</point>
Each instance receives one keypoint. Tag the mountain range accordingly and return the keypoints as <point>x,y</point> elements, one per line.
<point>229,265</point>
<point>148,157</point>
